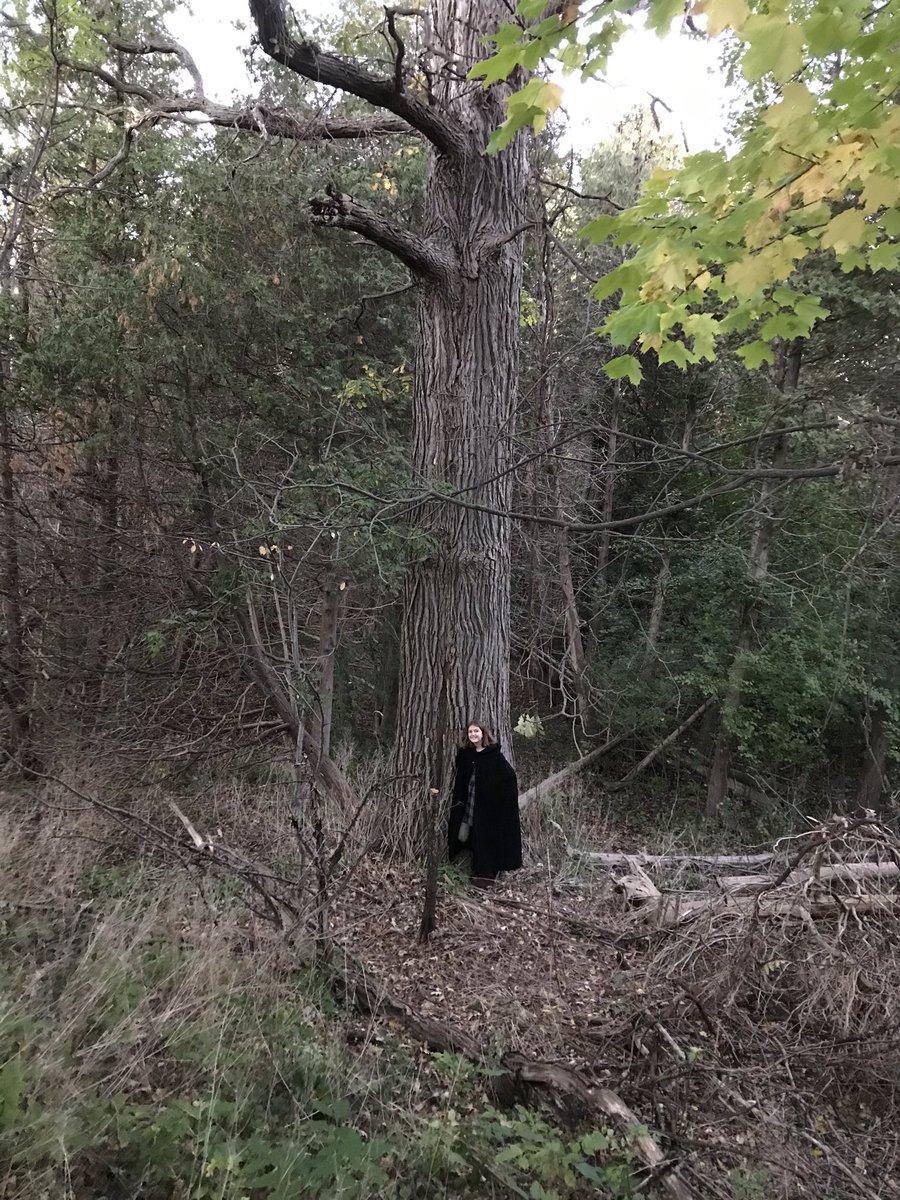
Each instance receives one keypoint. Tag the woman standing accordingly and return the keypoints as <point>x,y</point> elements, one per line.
<point>484,812</point>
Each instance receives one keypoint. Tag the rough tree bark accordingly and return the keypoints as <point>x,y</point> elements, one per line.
<point>13,673</point>
<point>468,262</point>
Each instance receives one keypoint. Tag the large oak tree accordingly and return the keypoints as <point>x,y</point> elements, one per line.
<point>467,260</point>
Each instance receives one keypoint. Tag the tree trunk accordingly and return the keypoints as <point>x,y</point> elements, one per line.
<point>332,595</point>
<point>786,377</point>
<point>468,262</point>
<point>609,487</point>
<point>656,614</point>
<point>757,569</point>
<point>872,780</point>
<point>456,600</point>
<point>14,677</point>
<point>548,425</point>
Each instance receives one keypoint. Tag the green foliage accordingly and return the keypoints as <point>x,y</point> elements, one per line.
<point>712,245</point>
<point>158,1065</point>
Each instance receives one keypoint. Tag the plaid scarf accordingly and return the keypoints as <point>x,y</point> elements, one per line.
<point>465,827</point>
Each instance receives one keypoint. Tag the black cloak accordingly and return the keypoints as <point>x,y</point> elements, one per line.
<point>496,836</point>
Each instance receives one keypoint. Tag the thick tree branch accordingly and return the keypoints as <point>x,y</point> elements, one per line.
<point>417,252</point>
<point>162,46</point>
<point>306,59</point>
<point>277,122</point>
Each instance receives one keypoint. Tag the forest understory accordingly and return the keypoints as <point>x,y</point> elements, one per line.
<point>365,406</point>
<point>167,1032</point>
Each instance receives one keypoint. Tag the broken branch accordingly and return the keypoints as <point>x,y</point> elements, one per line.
<point>422,256</point>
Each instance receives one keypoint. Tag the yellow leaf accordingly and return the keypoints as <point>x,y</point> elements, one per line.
<point>845,231</point>
<point>721,14</point>
<point>264,551</point>
<point>762,230</point>
<point>881,191</point>
<point>775,261</point>
<point>550,97</point>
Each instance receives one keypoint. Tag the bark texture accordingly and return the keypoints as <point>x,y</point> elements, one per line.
<point>455,634</point>
<point>468,260</point>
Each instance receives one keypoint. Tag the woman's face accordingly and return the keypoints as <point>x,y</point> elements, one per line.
<point>475,736</point>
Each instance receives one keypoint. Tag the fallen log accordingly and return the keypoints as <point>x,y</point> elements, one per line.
<point>357,989</point>
<point>637,885</point>
<point>568,1082</point>
<point>805,876</point>
<point>673,910</point>
<point>621,859</point>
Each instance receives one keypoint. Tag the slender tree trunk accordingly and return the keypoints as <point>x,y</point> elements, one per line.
<point>456,600</point>
<point>654,625</point>
<point>15,682</point>
<point>873,780</point>
<point>757,570</point>
<point>332,595</point>
<point>548,423</point>
<point>787,377</point>
<point>609,487</point>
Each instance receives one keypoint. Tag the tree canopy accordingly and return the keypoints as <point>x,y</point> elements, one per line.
<point>715,244</point>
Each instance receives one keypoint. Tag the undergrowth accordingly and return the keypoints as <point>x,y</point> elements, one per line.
<point>156,1043</point>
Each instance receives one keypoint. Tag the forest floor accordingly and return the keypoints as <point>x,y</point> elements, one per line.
<point>159,1040</point>
<point>527,965</point>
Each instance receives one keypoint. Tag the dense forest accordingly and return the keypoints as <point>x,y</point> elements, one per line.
<point>338,416</point>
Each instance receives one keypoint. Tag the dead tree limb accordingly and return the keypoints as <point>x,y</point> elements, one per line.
<point>614,858</point>
<point>657,750</point>
<point>539,790</point>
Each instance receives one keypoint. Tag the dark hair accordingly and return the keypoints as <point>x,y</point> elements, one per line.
<point>487,735</point>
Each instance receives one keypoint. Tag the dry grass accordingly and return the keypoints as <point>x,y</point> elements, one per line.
<point>765,1052</point>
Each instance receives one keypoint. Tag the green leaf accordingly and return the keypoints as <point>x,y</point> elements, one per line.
<point>776,48</point>
<point>630,321</point>
<point>755,354</point>
<point>885,257</point>
<point>845,231</point>
<point>828,31</point>
<point>675,352</point>
<point>600,228</point>
<point>593,1142</point>
<point>662,13</point>
<point>589,1171</point>
<point>626,366</point>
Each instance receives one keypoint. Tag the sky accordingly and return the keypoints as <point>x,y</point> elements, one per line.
<point>681,72</point>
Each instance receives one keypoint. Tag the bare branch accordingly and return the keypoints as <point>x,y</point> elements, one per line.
<point>417,252</point>
<point>391,18</point>
<point>115,82</point>
<point>277,122</point>
<point>253,118</point>
<point>306,59</point>
<point>564,187</point>
<point>162,46</point>
<point>105,171</point>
